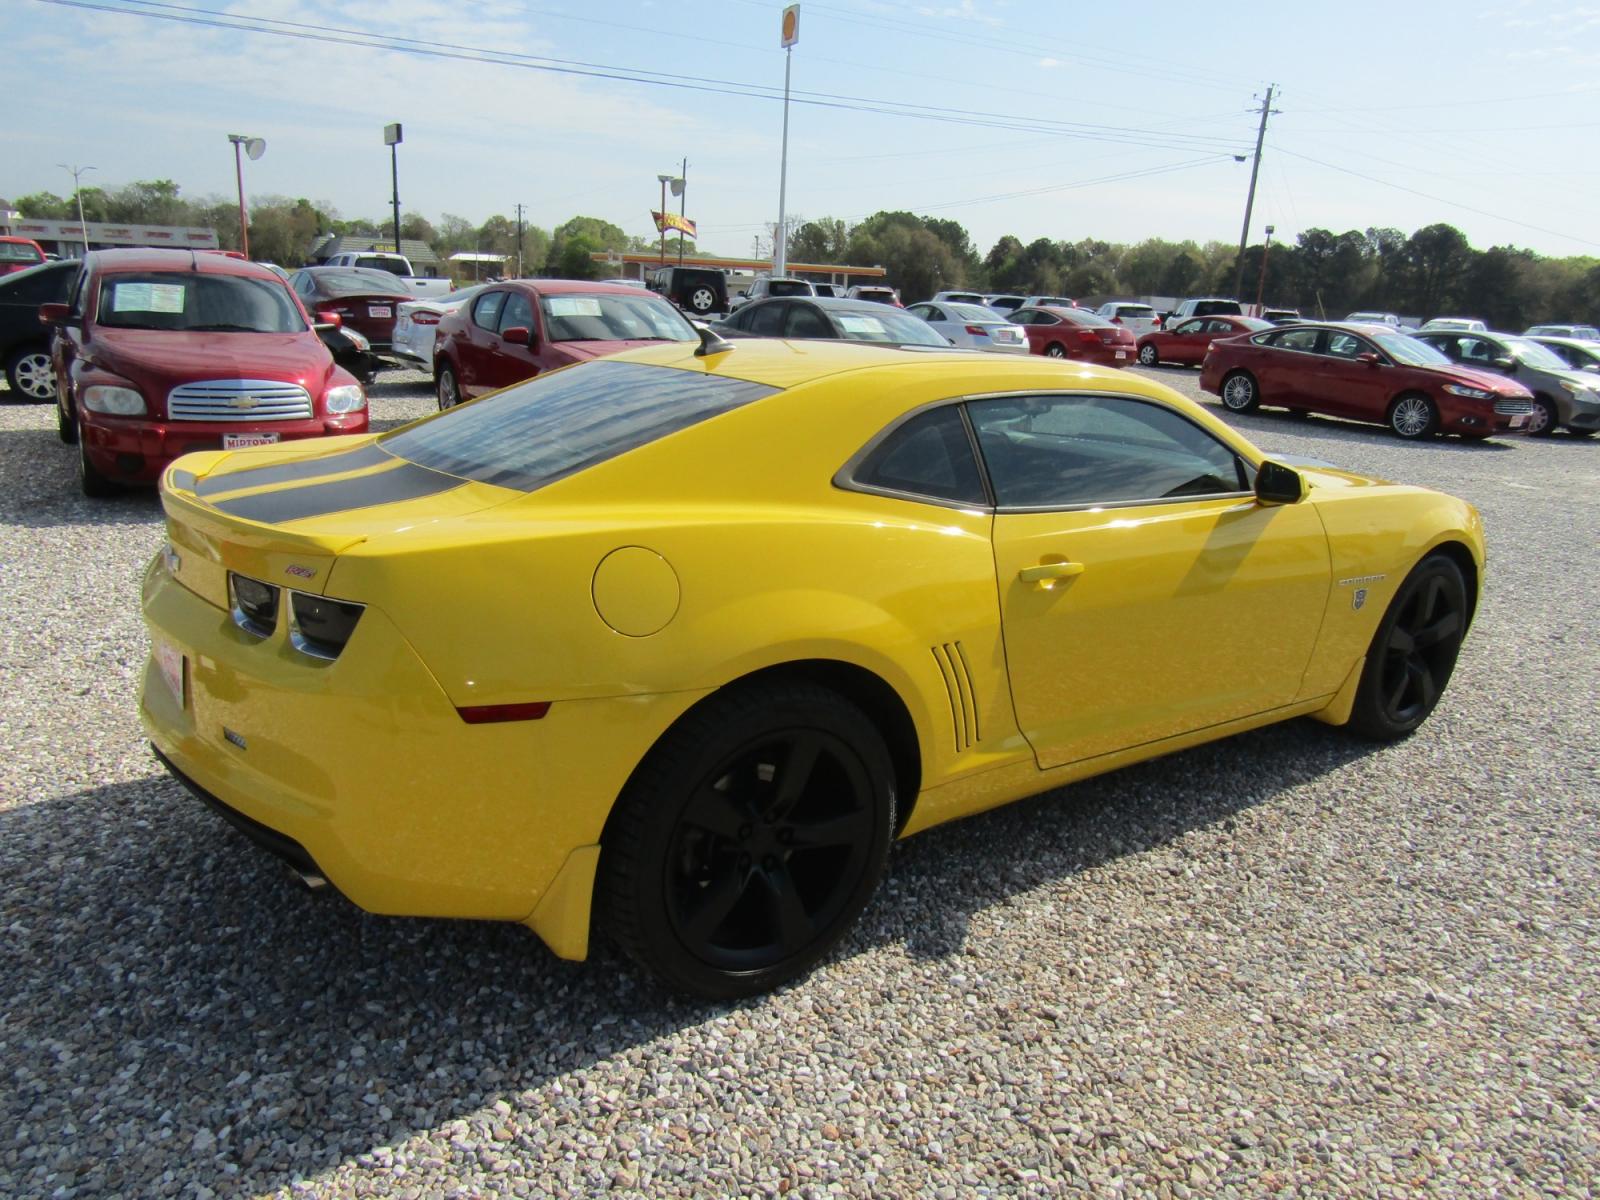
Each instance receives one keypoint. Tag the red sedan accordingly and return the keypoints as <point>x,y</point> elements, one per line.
<point>515,330</point>
<point>1075,333</point>
<point>1367,373</point>
<point>1187,341</point>
<point>366,300</point>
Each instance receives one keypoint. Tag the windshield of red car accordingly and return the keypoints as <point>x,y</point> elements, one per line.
<point>357,281</point>
<point>556,425</point>
<point>606,318</point>
<point>1408,350</point>
<point>189,301</point>
<point>15,252</point>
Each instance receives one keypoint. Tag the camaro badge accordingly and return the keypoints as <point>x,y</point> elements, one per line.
<point>1359,598</point>
<point>300,572</point>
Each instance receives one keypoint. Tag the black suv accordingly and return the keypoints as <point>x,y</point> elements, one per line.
<point>698,291</point>
<point>24,342</point>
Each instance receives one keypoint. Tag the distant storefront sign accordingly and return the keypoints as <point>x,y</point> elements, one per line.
<point>103,234</point>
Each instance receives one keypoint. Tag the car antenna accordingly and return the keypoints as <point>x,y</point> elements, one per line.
<point>711,342</point>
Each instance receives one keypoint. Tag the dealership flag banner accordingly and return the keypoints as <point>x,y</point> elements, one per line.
<point>666,221</point>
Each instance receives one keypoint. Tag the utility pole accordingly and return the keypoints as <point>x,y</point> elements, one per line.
<point>78,173</point>
<point>519,239</point>
<point>683,203</point>
<point>1250,203</point>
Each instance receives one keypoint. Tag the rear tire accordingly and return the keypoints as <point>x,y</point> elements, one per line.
<point>31,376</point>
<point>449,389</point>
<point>702,300</point>
<point>748,840</point>
<point>1055,350</point>
<point>1148,356</point>
<point>1413,417</point>
<point>1240,393</point>
<point>1413,652</point>
<point>1545,418</point>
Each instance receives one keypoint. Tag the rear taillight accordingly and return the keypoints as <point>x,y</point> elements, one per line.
<point>319,626</point>
<point>424,318</point>
<point>977,331</point>
<point>1088,335</point>
<point>255,604</point>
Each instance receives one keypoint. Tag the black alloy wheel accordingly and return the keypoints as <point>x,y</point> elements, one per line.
<point>449,390</point>
<point>1413,652</point>
<point>749,839</point>
<point>1148,356</point>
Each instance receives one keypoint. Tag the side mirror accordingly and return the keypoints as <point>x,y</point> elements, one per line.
<point>1371,359</point>
<point>1278,484</point>
<point>330,318</point>
<point>1506,364</point>
<point>52,314</point>
<point>517,335</point>
<point>744,295</point>
<point>1589,366</point>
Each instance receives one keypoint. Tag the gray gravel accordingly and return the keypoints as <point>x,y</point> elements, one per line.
<point>1286,964</point>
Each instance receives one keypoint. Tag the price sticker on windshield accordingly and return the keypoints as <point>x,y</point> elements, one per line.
<point>573,306</point>
<point>147,297</point>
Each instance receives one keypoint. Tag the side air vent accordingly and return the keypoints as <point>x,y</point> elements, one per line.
<point>952,660</point>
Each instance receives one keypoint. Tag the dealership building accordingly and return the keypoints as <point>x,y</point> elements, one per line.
<point>66,238</point>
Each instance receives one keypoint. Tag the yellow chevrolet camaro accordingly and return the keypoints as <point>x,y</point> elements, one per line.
<point>673,644</point>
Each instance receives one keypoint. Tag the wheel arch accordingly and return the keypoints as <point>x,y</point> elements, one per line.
<point>1458,553</point>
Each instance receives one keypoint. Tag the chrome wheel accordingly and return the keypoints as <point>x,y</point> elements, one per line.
<point>31,376</point>
<point>1148,356</point>
<point>1054,350</point>
<point>1239,392</point>
<point>1412,416</point>
<point>449,391</point>
<point>1542,420</point>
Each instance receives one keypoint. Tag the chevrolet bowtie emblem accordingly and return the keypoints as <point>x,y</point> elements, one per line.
<point>244,402</point>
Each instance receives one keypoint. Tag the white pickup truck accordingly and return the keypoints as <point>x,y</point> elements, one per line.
<point>396,264</point>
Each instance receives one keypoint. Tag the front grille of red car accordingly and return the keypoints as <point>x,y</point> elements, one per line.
<point>1513,408</point>
<point>239,400</point>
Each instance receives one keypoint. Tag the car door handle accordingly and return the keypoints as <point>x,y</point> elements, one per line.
<point>1052,570</point>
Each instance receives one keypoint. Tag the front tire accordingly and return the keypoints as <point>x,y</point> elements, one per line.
<point>31,376</point>
<point>66,427</point>
<point>1544,419</point>
<point>748,840</point>
<point>449,389</point>
<point>1148,355</point>
<point>1413,652</point>
<point>1413,417</point>
<point>1240,392</point>
<point>93,484</point>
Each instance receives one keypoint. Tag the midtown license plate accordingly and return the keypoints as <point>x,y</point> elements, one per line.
<point>379,310</point>
<point>169,660</point>
<point>1518,421</point>
<point>239,441</point>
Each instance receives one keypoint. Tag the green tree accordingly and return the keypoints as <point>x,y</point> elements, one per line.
<point>574,260</point>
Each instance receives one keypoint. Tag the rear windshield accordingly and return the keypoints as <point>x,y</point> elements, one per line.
<point>789,287</point>
<point>15,252</point>
<point>608,318</point>
<point>1135,310</point>
<point>373,262</point>
<point>174,300</point>
<point>354,281</point>
<point>559,424</point>
<point>977,313</point>
<point>1212,308</point>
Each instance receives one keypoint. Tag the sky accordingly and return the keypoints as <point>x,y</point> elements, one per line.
<point>1063,120</point>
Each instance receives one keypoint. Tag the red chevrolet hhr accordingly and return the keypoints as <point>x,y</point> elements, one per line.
<point>160,352</point>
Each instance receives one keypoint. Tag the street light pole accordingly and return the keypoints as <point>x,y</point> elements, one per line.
<point>392,137</point>
<point>791,35</point>
<point>662,215</point>
<point>77,172</point>
<point>255,147</point>
<point>683,204</point>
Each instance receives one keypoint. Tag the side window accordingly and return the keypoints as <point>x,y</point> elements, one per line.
<point>1346,345</point>
<point>921,310</point>
<point>1304,340</point>
<point>1067,451</point>
<point>1044,318</point>
<point>806,322</point>
<point>934,313</point>
<point>1475,350</point>
<point>1020,318</point>
<point>517,310</point>
<point>1192,327</point>
<point>930,455</point>
<point>486,310</point>
<point>767,321</point>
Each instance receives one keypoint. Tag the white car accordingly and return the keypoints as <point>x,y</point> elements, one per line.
<point>1373,318</point>
<point>1140,318</point>
<point>973,326</point>
<point>958,298</point>
<point>1456,325</point>
<point>416,322</point>
<point>1049,302</point>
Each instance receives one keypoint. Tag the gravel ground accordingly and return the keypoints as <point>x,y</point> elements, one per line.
<point>1286,964</point>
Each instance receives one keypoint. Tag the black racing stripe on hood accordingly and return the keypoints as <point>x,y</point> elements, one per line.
<point>305,468</point>
<point>407,482</point>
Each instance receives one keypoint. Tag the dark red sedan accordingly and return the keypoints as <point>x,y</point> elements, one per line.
<point>1364,372</point>
<point>1075,333</point>
<point>518,329</point>
<point>364,299</point>
<point>1186,342</point>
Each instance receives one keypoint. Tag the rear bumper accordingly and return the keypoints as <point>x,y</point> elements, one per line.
<point>138,450</point>
<point>362,769</point>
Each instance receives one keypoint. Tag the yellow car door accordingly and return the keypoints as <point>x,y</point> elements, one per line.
<point>1144,591</point>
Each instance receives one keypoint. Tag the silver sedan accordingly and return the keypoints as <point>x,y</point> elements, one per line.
<point>417,321</point>
<point>973,326</point>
